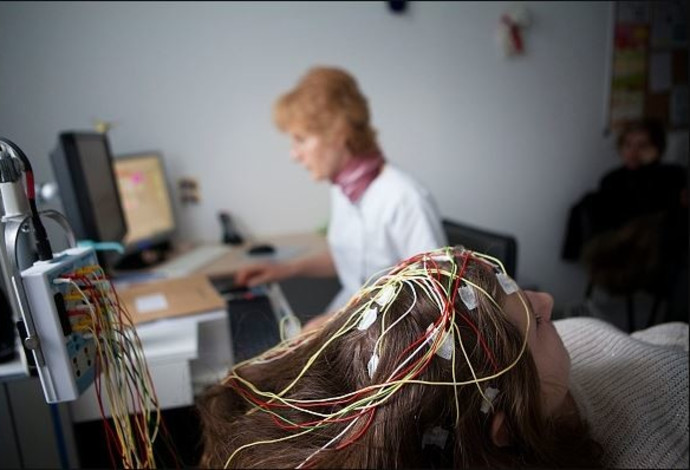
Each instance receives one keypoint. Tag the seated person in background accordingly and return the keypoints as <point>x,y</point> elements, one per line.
<point>632,233</point>
<point>379,214</point>
<point>643,184</point>
<point>445,362</point>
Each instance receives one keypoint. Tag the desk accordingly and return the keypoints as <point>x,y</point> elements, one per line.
<point>289,246</point>
<point>13,369</point>
<point>307,296</point>
<point>184,354</point>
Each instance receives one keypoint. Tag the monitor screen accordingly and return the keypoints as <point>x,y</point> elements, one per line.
<point>143,189</point>
<point>82,164</point>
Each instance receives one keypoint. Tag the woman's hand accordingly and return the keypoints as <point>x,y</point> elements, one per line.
<point>318,265</point>
<point>262,273</point>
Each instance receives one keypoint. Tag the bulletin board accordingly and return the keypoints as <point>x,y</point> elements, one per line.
<point>649,63</point>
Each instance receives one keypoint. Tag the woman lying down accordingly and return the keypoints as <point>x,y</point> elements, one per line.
<point>444,362</point>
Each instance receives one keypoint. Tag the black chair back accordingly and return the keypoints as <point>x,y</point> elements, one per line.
<point>501,246</point>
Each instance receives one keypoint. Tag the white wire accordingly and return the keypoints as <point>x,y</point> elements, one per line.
<point>325,446</point>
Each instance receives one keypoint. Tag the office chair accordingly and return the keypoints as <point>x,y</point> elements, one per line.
<point>501,246</point>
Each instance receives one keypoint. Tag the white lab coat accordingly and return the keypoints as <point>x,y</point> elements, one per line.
<point>394,219</point>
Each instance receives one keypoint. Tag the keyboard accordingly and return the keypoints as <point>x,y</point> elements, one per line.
<point>253,326</point>
<point>188,262</point>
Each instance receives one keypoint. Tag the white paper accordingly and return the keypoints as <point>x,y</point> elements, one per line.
<point>150,303</point>
<point>660,72</point>
<point>679,106</point>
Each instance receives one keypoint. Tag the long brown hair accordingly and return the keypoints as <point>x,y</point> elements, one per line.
<point>263,414</point>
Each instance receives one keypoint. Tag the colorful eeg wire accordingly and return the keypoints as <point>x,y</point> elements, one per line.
<point>121,373</point>
<point>441,338</point>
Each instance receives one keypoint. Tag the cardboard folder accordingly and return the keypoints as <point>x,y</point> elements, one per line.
<point>166,298</point>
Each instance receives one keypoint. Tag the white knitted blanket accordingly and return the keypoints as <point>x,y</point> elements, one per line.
<point>632,389</point>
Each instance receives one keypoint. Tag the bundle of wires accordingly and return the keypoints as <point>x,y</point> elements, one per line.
<point>437,275</point>
<point>121,373</point>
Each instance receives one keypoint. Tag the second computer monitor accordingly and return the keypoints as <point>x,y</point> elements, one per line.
<point>145,195</point>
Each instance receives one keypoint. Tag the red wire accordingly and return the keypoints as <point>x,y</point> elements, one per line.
<point>467,320</point>
<point>426,334</point>
<point>354,438</point>
<point>481,341</point>
<point>30,189</point>
<point>266,406</point>
<point>446,311</point>
<point>110,434</point>
<point>318,422</point>
<point>137,417</point>
<point>372,412</point>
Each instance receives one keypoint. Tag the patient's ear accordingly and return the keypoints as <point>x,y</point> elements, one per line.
<point>499,430</point>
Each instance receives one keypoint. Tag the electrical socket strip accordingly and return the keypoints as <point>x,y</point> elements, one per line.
<point>69,355</point>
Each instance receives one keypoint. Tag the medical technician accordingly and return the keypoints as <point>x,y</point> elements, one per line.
<point>379,214</point>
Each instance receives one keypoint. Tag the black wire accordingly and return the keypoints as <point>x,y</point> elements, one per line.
<point>45,251</point>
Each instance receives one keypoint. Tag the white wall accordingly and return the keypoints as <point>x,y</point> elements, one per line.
<point>504,144</point>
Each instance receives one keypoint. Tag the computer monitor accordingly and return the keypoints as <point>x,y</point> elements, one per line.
<point>143,187</point>
<point>82,164</point>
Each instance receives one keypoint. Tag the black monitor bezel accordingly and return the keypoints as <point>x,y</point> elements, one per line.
<point>70,168</point>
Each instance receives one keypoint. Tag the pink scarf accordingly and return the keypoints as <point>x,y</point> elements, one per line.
<point>358,174</point>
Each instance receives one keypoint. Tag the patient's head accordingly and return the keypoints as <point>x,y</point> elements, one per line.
<point>440,362</point>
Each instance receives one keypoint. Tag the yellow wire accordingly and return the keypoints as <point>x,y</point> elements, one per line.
<point>382,392</point>
<point>119,349</point>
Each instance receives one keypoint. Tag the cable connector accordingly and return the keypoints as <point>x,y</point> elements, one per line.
<point>19,199</point>
<point>10,168</point>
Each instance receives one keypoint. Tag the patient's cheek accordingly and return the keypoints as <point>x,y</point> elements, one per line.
<point>553,393</point>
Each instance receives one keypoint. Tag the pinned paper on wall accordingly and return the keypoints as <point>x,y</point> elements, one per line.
<point>629,81</point>
<point>648,75</point>
<point>679,106</point>
<point>660,72</point>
